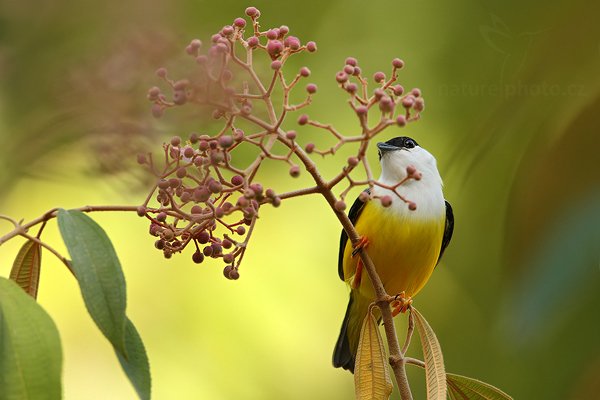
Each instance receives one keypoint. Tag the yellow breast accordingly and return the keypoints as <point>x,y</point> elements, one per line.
<point>403,246</point>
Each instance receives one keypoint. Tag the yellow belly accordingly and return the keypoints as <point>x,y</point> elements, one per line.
<point>403,246</point>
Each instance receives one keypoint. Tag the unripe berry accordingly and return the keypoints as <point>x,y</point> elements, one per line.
<point>225,141</point>
<point>351,88</point>
<point>227,244</point>
<point>239,22</point>
<point>202,237</point>
<point>161,217</point>
<point>168,234</point>
<point>274,47</point>
<point>284,30</point>
<point>276,65</point>
<point>340,205</point>
<point>349,69</point>
<point>386,201</point>
<point>341,77</point>
<point>353,161</point>
<point>397,63</point>
<point>408,101</point>
<point>237,180</point>
<point>208,251</point>
<point>234,274</point>
<point>215,186</point>
<point>292,42</point>
<point>363,196</point>
<point>188,152</point>
<point>276,202</point>
<point>163,184</point>
<point>252,12</point>
<point>311,88</point>
<point>238,135</point>
<point>295,171</point>
<point>416,92</point>
<point>141,211</point>
<point>253,42</point>
<point>398,90</point>
<point>228,258</point>
<point>181,172</point>
<point>179,97</point>
<point>201,194</point>
<point>227,270</point>
<point>379,77</point>
<point>272,34</point>
<point>310,147</point>
<point>305,72</point>
<point>159,244</point>
<point>351,61</point>
<point>197,257</point>
<point>161,72</point>
<point>174,182</point>
<point>303,119</point>
<point>240,230</point>
<point>175,141</point>
<point>401,121</point>
<point>291,135</point>
<point>362,110</point>
<point>412,206</point>
<point>419,104</point>
<point>311,46</point>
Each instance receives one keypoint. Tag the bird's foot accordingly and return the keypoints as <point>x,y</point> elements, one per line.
<point>363,242</point>
<point>400,304</point>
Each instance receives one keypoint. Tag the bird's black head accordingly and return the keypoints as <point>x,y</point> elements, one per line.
<point>397,143</point>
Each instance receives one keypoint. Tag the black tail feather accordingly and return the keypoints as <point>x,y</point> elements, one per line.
<point>342,354</point>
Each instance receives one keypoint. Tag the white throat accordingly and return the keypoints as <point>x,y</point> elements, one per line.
<point>426,193</point>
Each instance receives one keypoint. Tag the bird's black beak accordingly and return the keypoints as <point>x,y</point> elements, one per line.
<point>385,147</point>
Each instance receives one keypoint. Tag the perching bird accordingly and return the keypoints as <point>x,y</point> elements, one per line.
<point>405,245</point>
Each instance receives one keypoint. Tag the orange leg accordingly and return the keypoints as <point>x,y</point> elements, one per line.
<point>362,243</point>
<point>400,304</point>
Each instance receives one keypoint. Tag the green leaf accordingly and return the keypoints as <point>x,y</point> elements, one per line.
<point>371,374</point>
<point>463,388</point>
<point>30,351</point>
<point>136,364</point>
<point>435,374</point>
<point>102,285</point>
<point>26,268</point>
<point>98,272</point>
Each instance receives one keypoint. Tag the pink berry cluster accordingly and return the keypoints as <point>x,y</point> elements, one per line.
<point>393,103</point>
<point>223,68</point>
<point>204,197</point>
<point>203,200</point>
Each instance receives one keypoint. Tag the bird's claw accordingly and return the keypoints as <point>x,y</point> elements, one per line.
<point>400,304</point>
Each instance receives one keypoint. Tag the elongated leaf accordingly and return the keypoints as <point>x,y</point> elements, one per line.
<point>371,374</point>
<point>435,375</point>
<point>136,364</point>
<point>463,388</point>
<point>30,351</point>
<point>98,272</point>
<point>102,284</point>
<point>26,268</point>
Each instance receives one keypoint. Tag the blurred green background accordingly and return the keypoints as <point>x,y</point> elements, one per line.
<point>513,116</point>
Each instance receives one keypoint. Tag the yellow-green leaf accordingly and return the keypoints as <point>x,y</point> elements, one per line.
<point>435,374</point>
<point>371,375</point>
<point>26,267</point>
<point>463,388</point>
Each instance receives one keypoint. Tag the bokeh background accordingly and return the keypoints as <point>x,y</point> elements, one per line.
<point>512,114</point>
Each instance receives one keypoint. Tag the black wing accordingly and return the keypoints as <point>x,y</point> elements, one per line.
<point>448,230</point>
<point>353,214</point>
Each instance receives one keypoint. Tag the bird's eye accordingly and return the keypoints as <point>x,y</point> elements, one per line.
<point>409,143</point>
